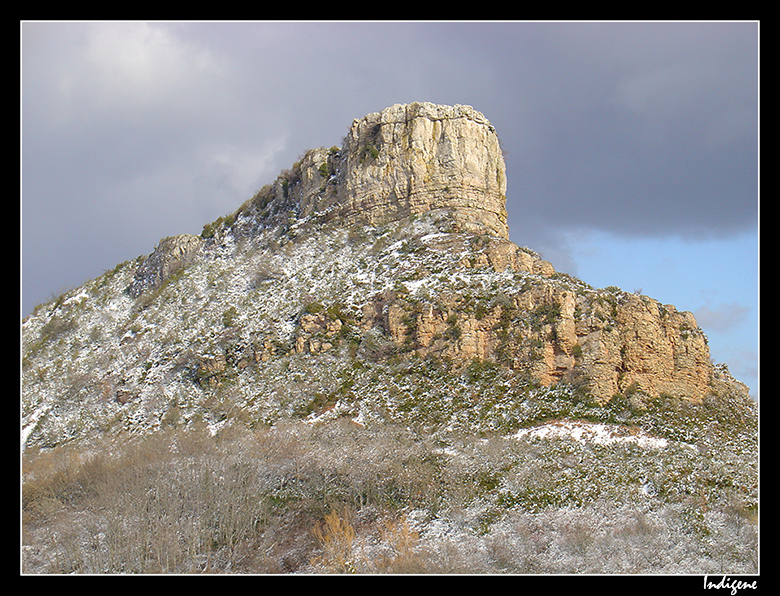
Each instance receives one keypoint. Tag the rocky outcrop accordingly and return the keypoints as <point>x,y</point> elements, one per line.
<point>652,347</point>
<point>407,160</point>
<point>607,342</point>
<point>170,255</point>
<point>318,332</point>
<point>416,158</point>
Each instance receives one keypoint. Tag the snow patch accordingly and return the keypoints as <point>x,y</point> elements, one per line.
<point>601,434</point>
<point>30,422</point>
<point>414,285</point>
<point>77,299</point>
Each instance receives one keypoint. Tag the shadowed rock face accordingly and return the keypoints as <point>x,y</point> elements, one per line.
<point>170,255</point>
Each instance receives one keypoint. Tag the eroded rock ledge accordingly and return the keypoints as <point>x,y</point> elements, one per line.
<point>171,254</point>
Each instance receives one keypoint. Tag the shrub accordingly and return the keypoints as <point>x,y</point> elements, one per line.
<point>313,308</point>
<point>335,537</point>
<point>229,317</point>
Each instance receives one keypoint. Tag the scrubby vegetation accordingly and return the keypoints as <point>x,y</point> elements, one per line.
<point>331,495</point>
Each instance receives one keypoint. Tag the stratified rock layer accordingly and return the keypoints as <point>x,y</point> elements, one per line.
<point>405,161</point>
<point>412,159</point>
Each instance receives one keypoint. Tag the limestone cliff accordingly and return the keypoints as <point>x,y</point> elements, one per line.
<point>407,160</point>
<point>411,159</point>
<point>552,329</point>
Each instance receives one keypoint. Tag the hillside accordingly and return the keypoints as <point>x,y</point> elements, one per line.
<point>360,346</point>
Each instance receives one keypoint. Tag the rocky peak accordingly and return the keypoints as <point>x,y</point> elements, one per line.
<point>407,160</point>
<point>420,157</point>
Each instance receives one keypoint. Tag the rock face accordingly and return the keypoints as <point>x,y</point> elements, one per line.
<point>407,160</point>
<point>412,159</point>
<point>170,255</point>
<point>607,341</point>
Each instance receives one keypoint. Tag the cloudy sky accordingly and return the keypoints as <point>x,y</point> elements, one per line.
<point>631,148</point>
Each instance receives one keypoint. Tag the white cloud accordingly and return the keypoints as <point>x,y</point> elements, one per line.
<point>142,61</point>
<point>133,69</point>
